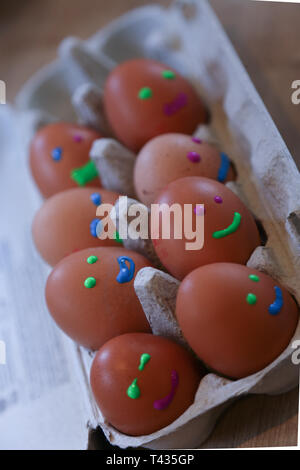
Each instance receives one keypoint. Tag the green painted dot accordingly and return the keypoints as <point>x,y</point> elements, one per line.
<point>133,390</point>
<point>251,299</point>
<point>168,74</point>
<point>253,277</point>
<point>92,259</point>
<point>90,282</point>
<point>145,93</point>
<point>117,237</point>
<point>143,360</point>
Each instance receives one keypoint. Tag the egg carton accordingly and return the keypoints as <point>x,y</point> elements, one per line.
<point>188,37</point>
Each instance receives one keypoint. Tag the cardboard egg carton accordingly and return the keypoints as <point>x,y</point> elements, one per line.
<point>189,38</point>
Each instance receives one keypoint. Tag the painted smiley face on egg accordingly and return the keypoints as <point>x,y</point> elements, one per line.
<point>59,158</point>
<point>67,223</point>
<point>90,295</point>
<point>171,156</point>
<point>230,231</point>
<point>236,319</point>
<point>144,98</point>
<point>143,382</point>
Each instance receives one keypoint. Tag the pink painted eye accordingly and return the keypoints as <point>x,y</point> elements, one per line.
<point>196,140</point>
<point>194,157</point>
<point>77,138</point>
<point>199,209</point>
<point>218,199</point>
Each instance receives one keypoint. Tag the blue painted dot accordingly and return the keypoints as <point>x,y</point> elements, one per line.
<point>57,154</point>
<point>96,199</point>
<point>99,228</point>
<point>93,227</point>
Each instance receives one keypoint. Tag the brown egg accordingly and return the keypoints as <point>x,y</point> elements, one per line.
<point>67,222</point>
<point>171,156</point>
<point>142,383</point>
<point>236,319</point>
<point>230,231</point>
<point>59,158</point>
<point>144,98</point>
<point>90,295</point>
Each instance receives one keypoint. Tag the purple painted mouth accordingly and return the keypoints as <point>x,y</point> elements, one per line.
<point>174,106</point>
<point>165,402</point>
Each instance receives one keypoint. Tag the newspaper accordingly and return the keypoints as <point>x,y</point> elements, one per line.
<point>41,405</point>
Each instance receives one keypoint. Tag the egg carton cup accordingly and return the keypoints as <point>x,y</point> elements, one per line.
<point>188,37</point>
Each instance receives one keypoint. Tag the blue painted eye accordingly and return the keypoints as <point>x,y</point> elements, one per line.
<point>57,154</point>
<point>96,199</point>
<point>96,227</point>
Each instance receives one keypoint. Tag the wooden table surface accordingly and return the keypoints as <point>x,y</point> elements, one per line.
<point>267,38</point>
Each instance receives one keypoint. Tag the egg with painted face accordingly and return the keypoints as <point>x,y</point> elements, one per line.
<point>90,295</point>
<point>143,383</point>
<point>144,98</point>
<point>59,157</point>
<point>198,221</point>
<point>171,156</point>
<point>236,319</point>
<point>68,222</point>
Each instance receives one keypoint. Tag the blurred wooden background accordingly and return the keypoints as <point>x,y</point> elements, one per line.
<point>267,38</point>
